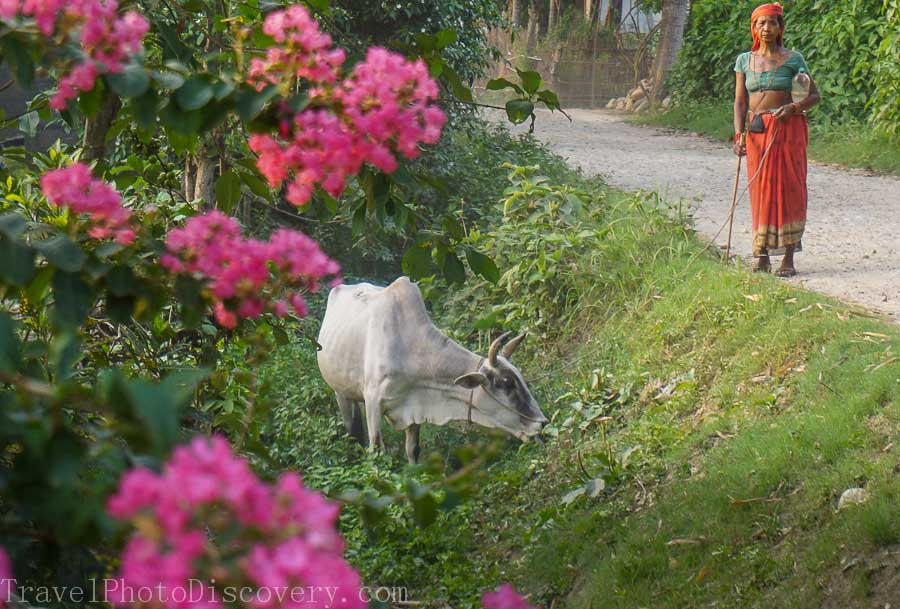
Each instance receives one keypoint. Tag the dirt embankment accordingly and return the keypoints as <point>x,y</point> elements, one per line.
<point>852,240</point>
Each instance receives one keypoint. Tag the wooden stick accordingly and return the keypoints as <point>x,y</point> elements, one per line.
<point>737,179</point>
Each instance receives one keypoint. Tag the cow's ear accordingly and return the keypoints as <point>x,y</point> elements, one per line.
<point>471,380</point>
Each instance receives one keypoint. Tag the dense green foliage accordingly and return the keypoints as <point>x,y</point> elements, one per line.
<point>739,409</point>
<point>397,22</point>
<point>849,46</point>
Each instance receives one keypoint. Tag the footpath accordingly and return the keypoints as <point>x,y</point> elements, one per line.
<point>851,248</point>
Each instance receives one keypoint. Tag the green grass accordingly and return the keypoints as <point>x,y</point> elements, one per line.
<point>851,145</point>
<point>746,406</point>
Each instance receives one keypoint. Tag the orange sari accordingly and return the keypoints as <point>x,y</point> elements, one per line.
<point>778,193</point>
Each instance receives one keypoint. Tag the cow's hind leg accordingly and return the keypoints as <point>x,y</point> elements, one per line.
<point>412,443</point>
<point>353,423</point>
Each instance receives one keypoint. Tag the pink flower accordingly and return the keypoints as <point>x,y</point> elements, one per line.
<point>7,583</point>
<point>385,108</point>
<point>106,39</point>
<point>75,188</point>
<point>247,277</point>
<point>505,597</point>
<point>277,535</point>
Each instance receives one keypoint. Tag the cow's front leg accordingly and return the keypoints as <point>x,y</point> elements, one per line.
<point>412,443</point>
<point>373,418</point>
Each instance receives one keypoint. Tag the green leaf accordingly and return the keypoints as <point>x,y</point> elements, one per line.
<point>359,220</point>
<point>228,191</point>
<point>132,81</point>
<point>194,94</point>
<point>17,267</point>
<point>417,261</point>
<point>501,83</point>
<point>12,224</point>
<point>483,265</point>
<point>28,123</point>
<point>251,102</point>
<point>453,228</point>
<point>168,80</point>
<point>73,297</point>
<point>62,252</point>
<point>15,52</point>
<point>144,109</point>
<point>425,509</point>
<point>531,81</point>
<point>64,353</point>
<point>155,407</point>
<point>453,268</point>
<point>121,281</point>
<point>444,38</point>
<point>10,352</point>
<point>518,110</point>
<point>257,186</point>
<point>549,98</point>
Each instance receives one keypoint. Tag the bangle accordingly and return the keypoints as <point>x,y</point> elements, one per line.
<point>738,136</point>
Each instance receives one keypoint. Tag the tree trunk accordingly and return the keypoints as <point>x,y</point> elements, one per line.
<point>588,5</point>
<point>671,37</point>
<point>515,18</point>
<point>189,179</point>
<point>533,30</point>
<point>207,164</point>
<point>552,15</point>
<point>614,15</point>
<point>97,126</point>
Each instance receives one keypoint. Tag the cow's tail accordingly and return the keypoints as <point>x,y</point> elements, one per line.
<point>357,430</point>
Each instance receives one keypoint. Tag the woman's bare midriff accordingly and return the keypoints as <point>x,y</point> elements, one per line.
<point>768,100</point>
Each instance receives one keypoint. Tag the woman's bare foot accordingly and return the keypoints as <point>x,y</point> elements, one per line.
<point>763,265</point>
<point>787,263</point>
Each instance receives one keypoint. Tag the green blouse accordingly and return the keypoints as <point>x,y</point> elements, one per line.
<point>779,79</point>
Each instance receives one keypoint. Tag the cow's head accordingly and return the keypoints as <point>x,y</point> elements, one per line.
<point>500,395</point>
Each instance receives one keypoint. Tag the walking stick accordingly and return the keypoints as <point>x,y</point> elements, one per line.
<point>737,178</point>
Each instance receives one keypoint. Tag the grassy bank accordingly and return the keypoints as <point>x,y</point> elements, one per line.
<point>853,145</point>
<point>705,421</point>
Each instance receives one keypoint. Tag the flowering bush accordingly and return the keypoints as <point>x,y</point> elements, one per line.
<point>208,517</point>
<point>7,582</point>
<point>385,105</point>
<point>73,187</point>
<point>247,277</point>
<point>106,38</point>
<point>505,597</point>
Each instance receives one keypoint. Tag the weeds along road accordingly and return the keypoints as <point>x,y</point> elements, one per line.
<point>851,248</point>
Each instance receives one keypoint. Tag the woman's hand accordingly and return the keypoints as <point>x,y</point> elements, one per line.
<point>785,112</point>
<point>739,147</point>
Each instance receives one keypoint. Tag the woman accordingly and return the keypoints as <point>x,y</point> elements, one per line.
<point>775,141</point>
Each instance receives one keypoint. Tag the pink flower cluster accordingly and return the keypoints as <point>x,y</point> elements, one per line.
<point>75,188</point>
<point>105,37</point>
<point>505,597</point>
<point>246,277</point>
<point>386,106</point>
<point>207,516</point>
<point>7,583</point>
<point>303,52</point>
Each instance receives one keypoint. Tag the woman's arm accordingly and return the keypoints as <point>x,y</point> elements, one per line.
<point>796,107</point>
<point>812,99</point>
<point>741,104</point>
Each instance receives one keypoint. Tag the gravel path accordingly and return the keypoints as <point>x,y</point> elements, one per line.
<point>852,239</point>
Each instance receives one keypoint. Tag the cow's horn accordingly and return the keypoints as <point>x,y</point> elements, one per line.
<point>511,346</point>
<point>495,347</point>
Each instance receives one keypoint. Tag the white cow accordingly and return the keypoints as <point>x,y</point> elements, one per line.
<point>379,348</point>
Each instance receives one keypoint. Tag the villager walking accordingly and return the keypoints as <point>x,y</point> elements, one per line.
<point>776,140</point>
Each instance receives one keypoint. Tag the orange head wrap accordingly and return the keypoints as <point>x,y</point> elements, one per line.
<point>773,8</point>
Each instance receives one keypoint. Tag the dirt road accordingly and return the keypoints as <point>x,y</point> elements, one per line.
<point>852,239</point>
